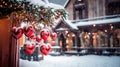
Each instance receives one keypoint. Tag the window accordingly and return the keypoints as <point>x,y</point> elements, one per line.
<point>113,8</point>
<point>79,14</point>
<point>79,9</point>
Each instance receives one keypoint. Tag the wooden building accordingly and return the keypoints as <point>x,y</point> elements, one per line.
<point>97,24</point>
<point>81,9</point>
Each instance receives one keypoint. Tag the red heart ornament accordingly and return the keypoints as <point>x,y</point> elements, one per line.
<point>29,49</point>
<point>45,49</point>
<point>44,37</point>
<point>28,31</point>
<point>38,38</point>
<point>33,37</point>
<point>17,32</point>
<point>44,34</point>
<point>53,36</point>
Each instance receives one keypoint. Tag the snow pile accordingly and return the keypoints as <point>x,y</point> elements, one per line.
<point>37,2</point>
<point>46,3</point>
<point>74,61</point>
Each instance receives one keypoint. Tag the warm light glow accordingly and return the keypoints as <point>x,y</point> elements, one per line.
<point>111,27</point>
<point>49,40</point>
<point>0,5</point>
<point>5,3</point>
<point>66,32</point>
<point>105,30</point>
<point>94,25</point>
<point>67,41</point>
<point>60,43</point>
<point>22,41</point>
<point>73,35</point>
<point>10,5</point>
<point>89,33</point>
<point>79,0</point>
<point>68,35</point>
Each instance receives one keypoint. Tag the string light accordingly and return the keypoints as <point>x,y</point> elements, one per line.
<point>73,35</point>
<point>0,5</point>
<point>94,25</point>
<point>5,3</point>
<point>105,30</point>
<point>10,5</point>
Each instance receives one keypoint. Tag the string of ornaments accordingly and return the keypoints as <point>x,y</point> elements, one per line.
<point>40,39</point>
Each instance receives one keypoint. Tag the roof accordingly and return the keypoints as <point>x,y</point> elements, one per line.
<point>61,29</point>
<point>87,23</point>
<point>71,24</point>
<point>68,22</point>
<point>104,21</point>
<point>56,4</point>
<point>60,2</point>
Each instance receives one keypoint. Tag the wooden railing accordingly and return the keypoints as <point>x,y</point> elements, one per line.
<point>94,50</point>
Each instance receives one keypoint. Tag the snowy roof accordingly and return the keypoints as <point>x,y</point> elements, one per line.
<point>71,24</point>
<point>86,23</point>
<point>104,21</point>
<point>37,2</point>
<point>46,3</point>
<point>60,2</point>
<point>61,29</point>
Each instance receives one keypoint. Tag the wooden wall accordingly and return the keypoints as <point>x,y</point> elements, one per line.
<point>69,9</point>
<point>96,8</point>
<point>8,50</point>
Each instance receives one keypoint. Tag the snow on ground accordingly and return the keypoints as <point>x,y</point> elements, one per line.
<point>74,61</point>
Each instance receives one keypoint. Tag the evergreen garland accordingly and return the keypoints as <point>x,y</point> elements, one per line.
<point>24,11</point>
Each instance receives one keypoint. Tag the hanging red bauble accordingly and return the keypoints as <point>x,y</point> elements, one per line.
<point>44,34</point>
<point>53,43</point>
<point>28,31</point>
<point>53,36</point>
<point>17,32</point>
<point>45,49</point>
<point>38,38</point>
<point>29,49</point>
<point>33,37</point>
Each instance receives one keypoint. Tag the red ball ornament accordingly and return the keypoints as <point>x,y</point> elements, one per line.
<point>29,49</point>
<point>44,34</point>
<point>45,49</point>
<point>28,31</point>
<point>17,32</point>
<point>53,36</point>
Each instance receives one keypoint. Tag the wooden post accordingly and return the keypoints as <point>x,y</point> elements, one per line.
<point>9,52</point>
